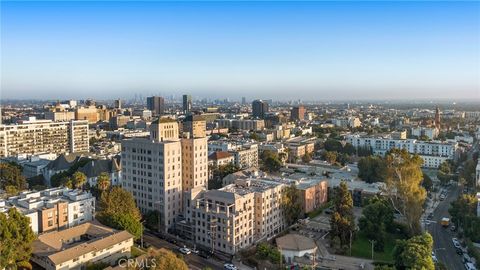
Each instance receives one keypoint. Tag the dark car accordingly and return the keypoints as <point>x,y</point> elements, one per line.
<point>459,251</point>
<point>204,254</point>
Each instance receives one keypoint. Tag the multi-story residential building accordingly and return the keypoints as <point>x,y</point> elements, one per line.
<point>351,122</point>
<point>152,171</point>
<point>73,248</point>
<point>433,153</point>
<point>223,220</point>
<point>313,193</point>
<point>429,132</point>
<point>242,124</point>
<point>223,145</point>
<point>35,137</point>
<point>247,156</point>
<point>58,115</point>
<point>52,209</point>
<point>298,147</point>
<point>220,158</point>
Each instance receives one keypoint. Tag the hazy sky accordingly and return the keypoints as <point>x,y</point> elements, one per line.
<point>283,50</point>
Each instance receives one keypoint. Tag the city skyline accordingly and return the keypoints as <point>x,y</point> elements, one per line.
<point>377,50</point>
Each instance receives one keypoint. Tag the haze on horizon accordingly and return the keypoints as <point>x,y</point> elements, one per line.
<point>279,50</point>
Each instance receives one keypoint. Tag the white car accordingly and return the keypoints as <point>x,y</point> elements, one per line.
<point>229,266</point>
<point>470,266</point>
<point>456,243</point>
<point>185,250</point>
<point>434,257</point>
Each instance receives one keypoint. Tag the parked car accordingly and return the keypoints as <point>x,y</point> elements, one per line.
<point>185,250</point>
<point>434,257</point>
<point>470,266</point>
<point>229,266</point>
<point>204,254</point>
<point>453,228</point>
<point>459,251</point>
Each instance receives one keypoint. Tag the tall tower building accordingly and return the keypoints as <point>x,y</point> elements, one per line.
<point>118,104</point>
<point>156,105</point>
<point>152,171</point>
<point>298,113</point>
<point>437,118</point>
<point>194,153</point>
<point>259,108</point>
<point>187,103</point>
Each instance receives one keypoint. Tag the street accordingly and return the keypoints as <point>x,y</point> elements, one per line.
<point>194,261</point>
<point>442,237</point>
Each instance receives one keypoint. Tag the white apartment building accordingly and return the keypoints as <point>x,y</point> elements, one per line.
<point>53,208</point>
<point>433,153</point>
<point>430,132</point>
<point>242,124</point>
<point>36,137</point>
<point>351,121</point>
<point>247,156</point>
<point>222,145</point>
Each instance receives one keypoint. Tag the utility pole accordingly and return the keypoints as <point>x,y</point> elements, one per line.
<point>373,244</point>
<point>350,243</point>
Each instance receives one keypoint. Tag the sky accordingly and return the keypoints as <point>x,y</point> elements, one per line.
<point>278,50</point>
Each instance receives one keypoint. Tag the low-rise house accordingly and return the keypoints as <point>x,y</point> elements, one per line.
<point>95,167</point>
<point>73,248</point>
<point>295,245</point>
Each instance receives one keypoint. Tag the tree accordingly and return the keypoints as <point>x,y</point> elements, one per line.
<point>16,237</point>
<point>331,157</point>
<point>103,181</point>
<point>427,182</point>
<point>403,186</point>
<point>165,260</point>
<point>463,212</point>
<point>414,253</point>
<point>444,172</point>
<point>333,145</point>
<point>468,173</point>
<point>372,169</point>
<point>291,204</point>
<point>124,221</point>
<point>118,210</point>
<point>342,223</point>
<point>270,161</point>
<point>307,158</point>
<point>79,179</point>
<point>118,200</point>
<point>219,173</point>
<point>11,175</point>
<point>377,218</point>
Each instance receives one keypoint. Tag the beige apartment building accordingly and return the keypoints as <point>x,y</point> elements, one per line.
<point>237,215</point>
<point>36,137</point>
<point>152,171</point>
<point>246,156</point>
<point>194,153</point>
<point>73,248</point>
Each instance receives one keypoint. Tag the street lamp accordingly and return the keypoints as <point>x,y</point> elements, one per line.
<point>373,244</point>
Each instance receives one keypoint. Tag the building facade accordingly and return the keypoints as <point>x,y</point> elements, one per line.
<point>43,137</point>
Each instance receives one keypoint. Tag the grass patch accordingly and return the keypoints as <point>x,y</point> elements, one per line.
<point>362,248</point>
<point>135,251</point>
<point>319,210</point>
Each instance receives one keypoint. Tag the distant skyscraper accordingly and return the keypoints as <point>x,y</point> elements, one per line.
<point>298,113</point>
<point>244,101</point>
<point>259,108</point>
<point>437,118</point>
<point>118,104</point>
<point>187,103</point>
<point>156,105</point>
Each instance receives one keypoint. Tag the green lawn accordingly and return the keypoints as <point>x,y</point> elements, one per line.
<point>135,251</point>
<point>362,248</point>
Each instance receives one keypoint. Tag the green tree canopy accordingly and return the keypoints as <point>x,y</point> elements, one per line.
<point>11,175</point>
<point>372,169</point>
<point>404,178</point>
<point>376,220</point>
<point>16,237</point>
<point>291,204</point>
<point>342,223</point>
<point>331,157</point>
<point>103,181</point>
<point>167,260</point>
<point>414,253</point>
<point>79,179</point>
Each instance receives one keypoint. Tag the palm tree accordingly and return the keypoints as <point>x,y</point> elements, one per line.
<point>79,179</point>
<point>103,182</point>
